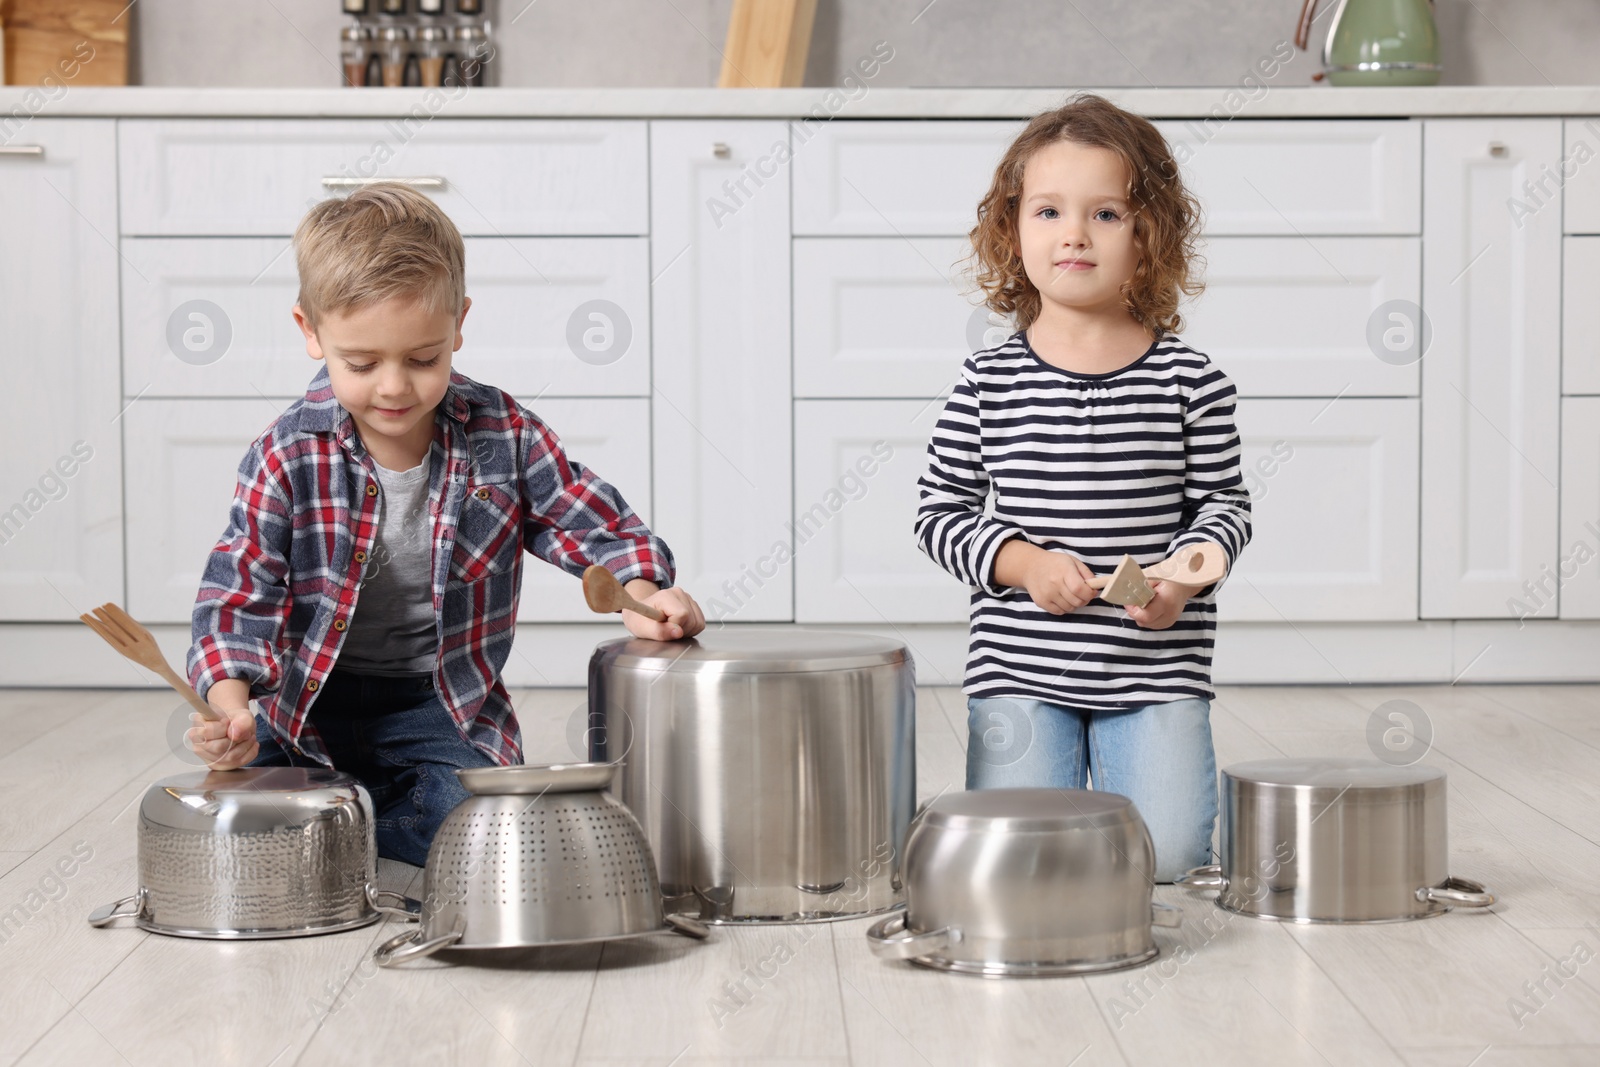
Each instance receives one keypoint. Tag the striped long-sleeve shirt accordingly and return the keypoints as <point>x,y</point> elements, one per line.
<point>1141,461</point>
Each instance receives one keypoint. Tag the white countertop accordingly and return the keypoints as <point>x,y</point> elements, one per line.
<point>880,103</point>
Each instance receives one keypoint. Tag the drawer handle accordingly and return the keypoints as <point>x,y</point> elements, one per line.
<point>721,150</point>
<point>331,181</point>
<point>22,150</point>
<point>1497,149</point>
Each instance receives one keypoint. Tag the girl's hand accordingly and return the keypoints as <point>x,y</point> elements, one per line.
<point>683,615</point>
<point>1164,609</point>
<point>1057,581</point>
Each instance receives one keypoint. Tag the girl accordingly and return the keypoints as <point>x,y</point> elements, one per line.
<point>1093,431</point>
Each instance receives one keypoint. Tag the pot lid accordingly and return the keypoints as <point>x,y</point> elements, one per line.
<point>756,651</point>
<point>1336,774</point>
<point>1025,810</point>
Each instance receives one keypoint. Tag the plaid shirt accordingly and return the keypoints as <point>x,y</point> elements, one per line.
<point>282,583</point>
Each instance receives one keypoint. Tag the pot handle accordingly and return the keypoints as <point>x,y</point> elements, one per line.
<point>404,906</point>
<point>106,914</point>
<point>1165,915</point>
<point>406,946</point>
<point>888,939</point>
<point>688,927</point>
<point>1202,878</point>
<point>1462,892</point>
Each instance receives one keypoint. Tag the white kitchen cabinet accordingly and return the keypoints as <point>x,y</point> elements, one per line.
<point>855,502</point>
<point>1295,177</point>
<point>60,483</point>
<point>612,438</point>
<point>1333,488</point>
<point>494,177</point>
<point>1580,185</point>
<point>183,463</point>
<point>1290,316</point>
<point>1491,384</point>
<point>1580,315</point>
<point>1573,578</point>
<point>557,316</point>
<point>720,404</point>
<point>881,316</point>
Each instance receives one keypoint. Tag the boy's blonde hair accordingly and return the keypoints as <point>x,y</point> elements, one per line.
<point>1166,216</point>
<point>382,241</point>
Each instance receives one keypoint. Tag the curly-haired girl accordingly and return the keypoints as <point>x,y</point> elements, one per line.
<point>1092,432</point>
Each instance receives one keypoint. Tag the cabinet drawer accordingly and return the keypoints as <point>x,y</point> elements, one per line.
<point>1333,499</point>
<point>855,501</point>
<point>1288,177</point>
<point>879,316</point>
<point>560,316</point>
<point>1289,317</point>
<point>501,177</point>
<point>1581,191</point>
<point>1580,315</point>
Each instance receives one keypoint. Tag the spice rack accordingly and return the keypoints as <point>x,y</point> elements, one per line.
<point>421,43</point>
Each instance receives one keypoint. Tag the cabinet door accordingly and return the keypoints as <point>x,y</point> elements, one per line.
<point>1293,317</point>
<point>555,316</point>
<point>1491,380</point>
<point>60,483</point>
<point>183,463</point>
<point>1333,489</point>
<point>882,317</point>
<point>720,401</point>
<point>1577,572</point>
<point>1580,315</point>
<point>611,438</point>
<point>855,501</point>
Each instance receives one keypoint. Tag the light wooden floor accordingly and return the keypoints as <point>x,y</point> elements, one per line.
<point>1524,767</point>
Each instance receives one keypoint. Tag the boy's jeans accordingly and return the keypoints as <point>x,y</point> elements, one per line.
<point>396,738</point>
<point>1159,756</point>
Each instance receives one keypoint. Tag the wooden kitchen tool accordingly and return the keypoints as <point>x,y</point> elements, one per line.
<point>121,632</point>
<point>767,44</point>
<point>1126,585</point>
<point>606,595</point>
<point>1196,565</point>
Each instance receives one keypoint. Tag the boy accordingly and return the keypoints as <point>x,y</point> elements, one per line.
<point>366,588</point>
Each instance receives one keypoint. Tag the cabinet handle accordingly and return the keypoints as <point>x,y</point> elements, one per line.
<point>334,182</point>
<point>721,150</point>
<point>1497,149</point>
<point>36,150</point>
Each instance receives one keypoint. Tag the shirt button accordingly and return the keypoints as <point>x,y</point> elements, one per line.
<point>372,489</point>
<point>361,557</point>
<point>482,494</point>
<point>311,686</point>
<point>339,624</point>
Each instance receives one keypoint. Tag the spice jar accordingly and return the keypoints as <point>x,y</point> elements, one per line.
<point>353,42</point>
<point>354,7</point>
<point>430,53</point>
<point>469,7</point>
<point>393,45</point>
<point>392,7</point>
<point>472,47</point>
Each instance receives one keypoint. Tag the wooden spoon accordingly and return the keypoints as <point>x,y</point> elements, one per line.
<point>606,595</point>
<point>119,630</point>
<point>1196,565</point>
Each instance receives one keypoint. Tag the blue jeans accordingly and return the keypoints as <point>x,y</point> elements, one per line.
<point>1159,756</point>
<point>397,738</point>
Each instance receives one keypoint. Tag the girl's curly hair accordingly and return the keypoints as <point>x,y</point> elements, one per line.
<point>1166,216</point>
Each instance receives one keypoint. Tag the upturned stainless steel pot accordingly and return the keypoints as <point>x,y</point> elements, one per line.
<point>774,771</point>
<point>536,856</point>
<point>1026,883</point>
<point>1335,840</point>
<point>254,853</point>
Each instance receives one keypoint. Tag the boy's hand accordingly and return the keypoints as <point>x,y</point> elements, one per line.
<point>1058,581</point>
<point>1165,607</point>
<point>227,744</point>
<point>684,618</point>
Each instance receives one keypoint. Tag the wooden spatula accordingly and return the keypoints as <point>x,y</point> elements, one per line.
<point>605,595</point>
<point>1196,565</point>
<point>119,630</point>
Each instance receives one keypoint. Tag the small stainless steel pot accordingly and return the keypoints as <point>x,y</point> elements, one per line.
<point>1335,840</point>
<point>536,856</point>
<point>1026,882</point>
<point>254,853</point>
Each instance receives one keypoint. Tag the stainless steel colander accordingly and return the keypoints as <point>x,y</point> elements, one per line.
<point>536,856</point>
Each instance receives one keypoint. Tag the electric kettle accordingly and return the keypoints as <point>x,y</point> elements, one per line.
<point>1376,42</point>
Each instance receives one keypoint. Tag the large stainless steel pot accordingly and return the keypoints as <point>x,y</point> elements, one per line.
<point>253,853</point>
<point>1335,840</point>
<point>774,771</point>
<point>536,856</point>
<point>1026,882</point>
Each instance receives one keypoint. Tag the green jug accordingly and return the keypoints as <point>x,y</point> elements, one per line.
<point>1376,42</point>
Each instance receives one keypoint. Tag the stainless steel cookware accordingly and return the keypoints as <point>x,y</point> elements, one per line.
<point>774,771</point>
<point>536,856</point>
<point>1335,840</point>
<point>254,853</point>
<point>1026,882</point>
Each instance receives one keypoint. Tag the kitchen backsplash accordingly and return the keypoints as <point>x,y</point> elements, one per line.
<point>947,43</point>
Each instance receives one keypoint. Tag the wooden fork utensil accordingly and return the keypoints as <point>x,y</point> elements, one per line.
<point>119,630</point>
